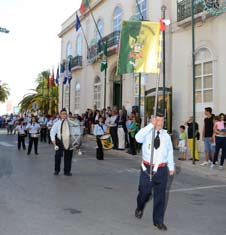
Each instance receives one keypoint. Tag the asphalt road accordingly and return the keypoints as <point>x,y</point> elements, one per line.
<point>100,197</point>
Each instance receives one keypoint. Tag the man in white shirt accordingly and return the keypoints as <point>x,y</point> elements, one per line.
<point>56,138</point>
<point>154,170</point>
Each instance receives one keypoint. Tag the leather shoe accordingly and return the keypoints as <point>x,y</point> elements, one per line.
<point>138,213</point>
<point>56,173</point>
<point>68,174</point>
<point>161,226</point>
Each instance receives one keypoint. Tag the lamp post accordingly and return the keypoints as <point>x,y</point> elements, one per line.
<point>163,9</point>
<point>193,76</point>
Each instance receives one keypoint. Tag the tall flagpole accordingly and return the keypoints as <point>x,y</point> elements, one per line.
<point>80,25</point>
<point>104,46</point>
<point>155,110</point>
<point>139,90</point>
<point>91,12</point>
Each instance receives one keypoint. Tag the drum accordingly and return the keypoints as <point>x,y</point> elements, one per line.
<point>70,135</point>
<point>106,141</point>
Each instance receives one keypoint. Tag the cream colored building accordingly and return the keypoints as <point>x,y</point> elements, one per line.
<point>87,84</point>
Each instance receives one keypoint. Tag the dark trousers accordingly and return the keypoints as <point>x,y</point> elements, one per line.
<point>21,141</point>
<point>49,138</point>
<point>43,133</point>
<point>67,158</point>
<point>126,138</point>
<point>158,185</point>
<point>132,145</point>
<point>99,150</point>
<point>220,143</point>
<point>114,136</point>
<point>31,141</point>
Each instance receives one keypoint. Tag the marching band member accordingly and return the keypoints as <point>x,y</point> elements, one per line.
<point>21,130</point>
<point>99,130</point>
<point>43,124</point>
<point>33,129</point>
<point>49,126</point>
<point>157,178</point>
<point>56,138</point>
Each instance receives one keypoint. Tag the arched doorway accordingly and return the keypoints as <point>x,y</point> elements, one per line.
<point>117,90</point>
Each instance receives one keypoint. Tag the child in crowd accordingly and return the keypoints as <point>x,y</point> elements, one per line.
<point>182,143</point>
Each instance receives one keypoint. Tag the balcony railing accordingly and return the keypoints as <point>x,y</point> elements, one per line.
<point>111,39</point>
<point>184,9</point>
<point>76,61</point>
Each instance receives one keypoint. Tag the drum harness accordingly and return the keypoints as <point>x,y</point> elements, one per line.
<point>101,127</point>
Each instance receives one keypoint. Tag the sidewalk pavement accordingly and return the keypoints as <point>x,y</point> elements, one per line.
<point>187,165</point>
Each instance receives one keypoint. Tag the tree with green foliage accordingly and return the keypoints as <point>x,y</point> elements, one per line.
<point>44,98</point>
<point>4,92</point>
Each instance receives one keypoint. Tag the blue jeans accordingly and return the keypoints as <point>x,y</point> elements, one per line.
<point>220,143</point>
<point>208,142</point>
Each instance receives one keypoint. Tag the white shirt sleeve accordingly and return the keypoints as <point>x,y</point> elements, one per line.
<point>141,134</point>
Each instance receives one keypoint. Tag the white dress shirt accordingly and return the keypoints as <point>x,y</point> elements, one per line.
<point>164,154</point>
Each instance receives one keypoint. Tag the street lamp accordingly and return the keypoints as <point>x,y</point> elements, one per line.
<point>193,75</point>
<point>163,9</point>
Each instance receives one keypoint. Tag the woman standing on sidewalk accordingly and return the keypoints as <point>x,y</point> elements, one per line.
<point>220,140</point>
<point>189,123</point>
<point>133,129</point>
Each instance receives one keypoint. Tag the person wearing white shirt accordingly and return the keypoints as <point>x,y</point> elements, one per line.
<point>99,130</point>
<point>155,170</point>
<point>55,135</point>
<point>33,129</point>
<point>43,124</point>
<point>21,130</point>
<point>49,126</point>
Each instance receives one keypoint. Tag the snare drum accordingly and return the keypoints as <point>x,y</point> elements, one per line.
<point>106,141</point>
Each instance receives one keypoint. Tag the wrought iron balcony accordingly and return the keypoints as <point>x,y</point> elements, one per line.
<point>184,9</point>
<point>76,61</point>
<point>111,39</point>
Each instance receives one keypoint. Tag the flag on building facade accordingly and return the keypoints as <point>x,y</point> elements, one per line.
<point>51,80</point>
<point>69,75</point>
<point>65,80</point>
<point>84,6</point>
<point>77,23</point>
<point>62,68</point>
<point>57,76</point>
<point>139,50</point>
<point>104,63</point>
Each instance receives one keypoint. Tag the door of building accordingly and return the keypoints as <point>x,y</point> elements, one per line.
<point>116,94</point>
<point>150,101</point>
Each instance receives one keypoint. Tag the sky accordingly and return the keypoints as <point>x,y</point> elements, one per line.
<point>33,45</point>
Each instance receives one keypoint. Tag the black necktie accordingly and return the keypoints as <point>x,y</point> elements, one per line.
<point>157,140</point>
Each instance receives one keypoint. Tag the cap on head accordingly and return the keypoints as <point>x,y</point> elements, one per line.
<point>159,113</point>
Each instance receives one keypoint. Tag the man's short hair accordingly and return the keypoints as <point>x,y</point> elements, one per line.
<point>63,110</point>
<point>208,109</point>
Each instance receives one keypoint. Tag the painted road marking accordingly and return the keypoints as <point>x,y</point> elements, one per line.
<point>197,188</point>
<point>6,144</point>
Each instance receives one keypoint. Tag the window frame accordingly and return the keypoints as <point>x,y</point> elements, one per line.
<point>201,62</point>
<point>117,19</point>
<point>77,96</point>
<point>97,92</point>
